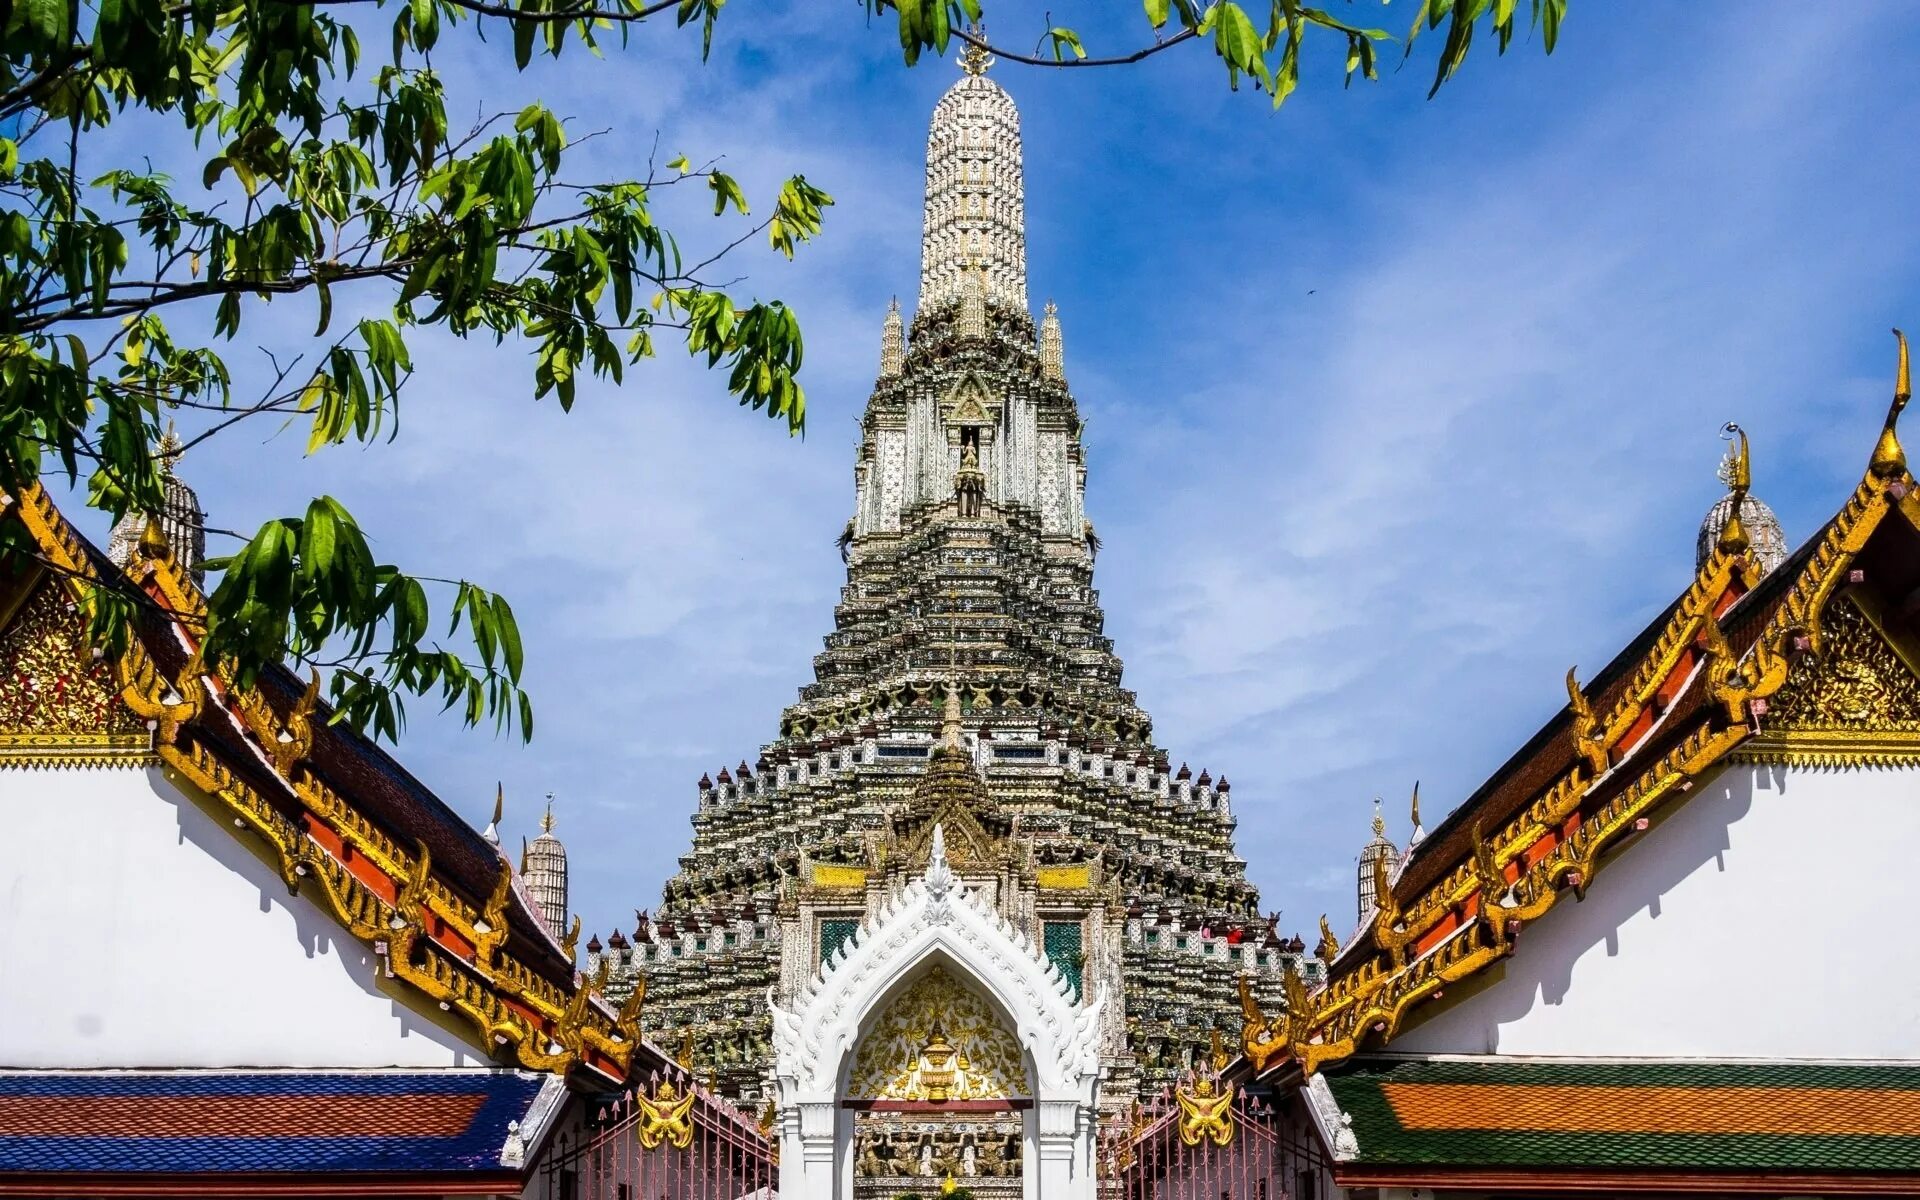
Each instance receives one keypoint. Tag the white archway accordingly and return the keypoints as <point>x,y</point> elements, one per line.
<point>936,917</point>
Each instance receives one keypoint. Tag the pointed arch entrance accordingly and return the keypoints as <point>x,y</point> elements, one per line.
<point>937,924</point>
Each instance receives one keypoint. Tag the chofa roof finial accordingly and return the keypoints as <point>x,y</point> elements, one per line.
<point>492,833</point>
<point>1737,473</point>
<point>1888,457</point>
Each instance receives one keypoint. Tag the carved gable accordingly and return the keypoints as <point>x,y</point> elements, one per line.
<point>1857,701</point>
<point>1859,682</point>
<point>57,702</point>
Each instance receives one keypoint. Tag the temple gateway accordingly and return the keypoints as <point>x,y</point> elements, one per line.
<point>961,925</point>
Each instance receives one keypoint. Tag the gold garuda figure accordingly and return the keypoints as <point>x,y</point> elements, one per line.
<point>666,1117</point>
<point>1203,1112</point>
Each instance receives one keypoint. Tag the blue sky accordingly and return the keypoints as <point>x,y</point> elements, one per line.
<point>1397,407</point>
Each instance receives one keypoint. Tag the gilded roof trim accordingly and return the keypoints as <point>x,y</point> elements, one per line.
<point>385,895</point>
<point>1468,918</point>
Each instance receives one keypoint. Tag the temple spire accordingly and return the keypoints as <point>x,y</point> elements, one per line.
<point>893,342</point>
<point>975,212</point>
<point>1052,355</point>
<point>180,521</point>
<point>544,870</point>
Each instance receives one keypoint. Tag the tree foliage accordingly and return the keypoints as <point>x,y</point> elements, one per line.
<point>319,171</point>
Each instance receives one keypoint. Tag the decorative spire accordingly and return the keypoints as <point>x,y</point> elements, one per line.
<point>1739,522</point>
<point>975,198</point>
<point>893,342</point>
<point>180,524</point>
<point>950,719</point>
<point>974,60</point>
<point>544,867</point>
<point>1737,473</point>
<point>492,833</point>
<point>939,875</point>
<point>1052,356</point>
<point>1889,459</point>
<point>1419,833</point>
<point>1377,851</point>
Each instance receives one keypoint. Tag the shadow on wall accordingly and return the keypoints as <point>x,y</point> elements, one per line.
<point>317,934</point>
<point>1639,876</point>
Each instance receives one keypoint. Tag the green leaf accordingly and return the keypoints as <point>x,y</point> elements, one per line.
<point>1157,12</point>
<point>726,191</point>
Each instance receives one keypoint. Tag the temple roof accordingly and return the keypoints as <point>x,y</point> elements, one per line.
<point>280,1123</point>
<point>347,824</point>
<point>1429,1116</point>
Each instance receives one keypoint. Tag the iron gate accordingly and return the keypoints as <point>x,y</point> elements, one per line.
<point>664,1138</point>
<point>1205,1140</point>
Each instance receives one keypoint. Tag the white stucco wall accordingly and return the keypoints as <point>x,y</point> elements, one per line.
<point>1769,916</point>
<point>137,930</point>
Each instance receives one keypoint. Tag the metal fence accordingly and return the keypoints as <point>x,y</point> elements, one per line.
<point>1213,1142</point>
<point>664,1138</point>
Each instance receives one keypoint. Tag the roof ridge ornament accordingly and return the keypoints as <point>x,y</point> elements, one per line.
<point>939,877</point>
<point>1889,459</point>
<point>1736,471</point>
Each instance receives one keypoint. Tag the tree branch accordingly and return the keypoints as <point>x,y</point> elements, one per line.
<point>981,43</point>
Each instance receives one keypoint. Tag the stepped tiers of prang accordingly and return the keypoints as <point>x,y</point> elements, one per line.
<point>967,682</point>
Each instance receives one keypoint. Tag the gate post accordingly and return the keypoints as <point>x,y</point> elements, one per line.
<point>809,1169</point>
<point>1064,1170</point>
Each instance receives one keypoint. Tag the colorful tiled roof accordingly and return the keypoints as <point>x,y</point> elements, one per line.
<point>166,1122</point>
<point>1657,1115</point>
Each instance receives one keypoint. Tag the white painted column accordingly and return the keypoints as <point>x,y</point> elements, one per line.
<point>809,1132</point>
<point>1063,1170</point>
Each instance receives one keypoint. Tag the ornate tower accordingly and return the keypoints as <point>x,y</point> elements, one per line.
<point>544,870</point>
<point>968,683</point>
<point>182,522</point>
<point>1373,855</point>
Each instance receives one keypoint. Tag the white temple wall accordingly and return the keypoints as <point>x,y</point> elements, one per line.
<point>136,930</point>
<point>1768,916</point>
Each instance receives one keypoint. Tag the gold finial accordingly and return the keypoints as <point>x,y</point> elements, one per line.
<point>1888,457</point>
<point>499,801</point>
<point>168,451</point>
<point>685,1056</point>
<point>1903,375</point>
<point>1379,822</point>
<point>546,822</point>
<point>974,60</point>
<point>1737,473</point>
